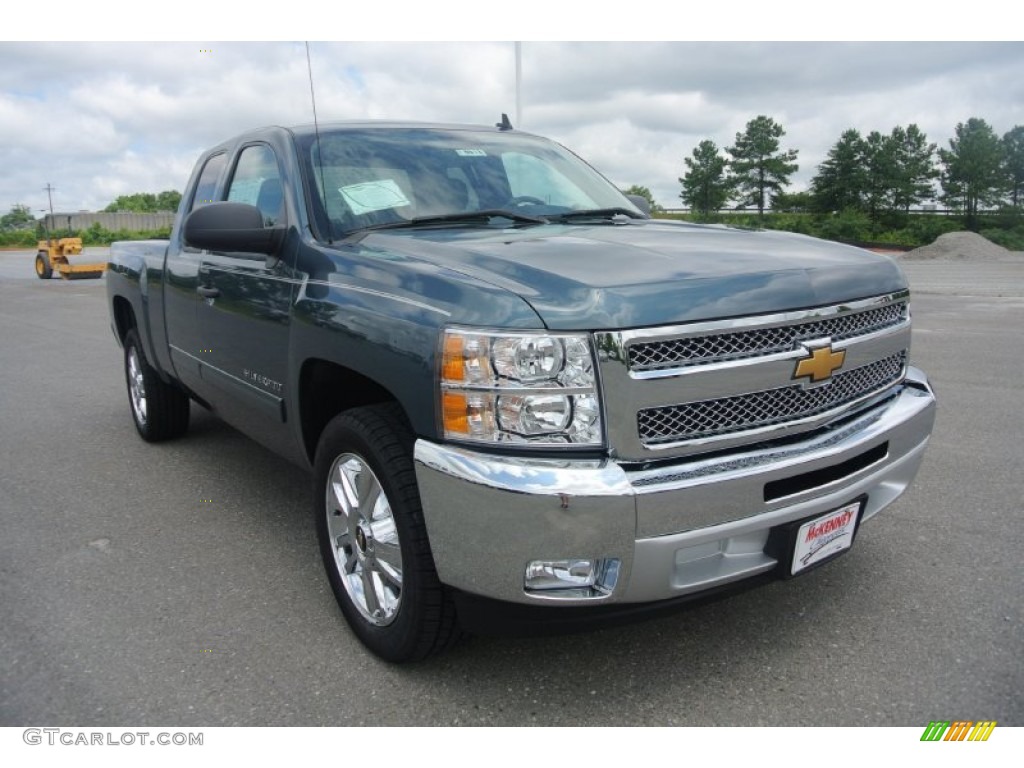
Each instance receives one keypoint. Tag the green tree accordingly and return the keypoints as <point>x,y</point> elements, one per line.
<point>19,217</point>
<point>913,167</point>
<point>140,202</point>
<point>792,202</point>
<point>758,167</point>
<point>706,186</point>
<point>974,175</point>
<point>1013,152</point>
<point>146,202</point>
<point>899,170</point>
<point>841,181</point>
<point>168,200</point>
<point>645,193</point>
<point>879,171</point>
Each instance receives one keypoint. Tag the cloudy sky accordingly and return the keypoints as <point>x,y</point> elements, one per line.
<point>98,120</point>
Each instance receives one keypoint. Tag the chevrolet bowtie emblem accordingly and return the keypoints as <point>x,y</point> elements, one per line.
<point>819,364</point>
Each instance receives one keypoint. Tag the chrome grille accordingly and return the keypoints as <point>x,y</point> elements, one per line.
<point>736,345</point>
<point>729,415</point>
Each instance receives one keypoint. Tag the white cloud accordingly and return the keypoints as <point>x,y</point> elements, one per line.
<point>102,119</point>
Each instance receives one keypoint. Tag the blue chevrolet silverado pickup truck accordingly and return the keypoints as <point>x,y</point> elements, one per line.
<point>519,396</point>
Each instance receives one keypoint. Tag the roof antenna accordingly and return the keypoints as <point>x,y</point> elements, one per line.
<point>505,124</point>
<point>319,156</point>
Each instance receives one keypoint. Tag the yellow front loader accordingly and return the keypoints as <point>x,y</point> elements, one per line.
<point>53,257</point>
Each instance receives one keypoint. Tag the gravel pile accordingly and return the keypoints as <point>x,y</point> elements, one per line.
<point>960,246</point>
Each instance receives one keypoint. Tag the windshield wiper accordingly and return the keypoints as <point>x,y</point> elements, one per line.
<point>467,218</point>
<point>595,213</point>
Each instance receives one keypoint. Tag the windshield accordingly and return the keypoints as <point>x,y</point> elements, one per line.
<point>369,177</point>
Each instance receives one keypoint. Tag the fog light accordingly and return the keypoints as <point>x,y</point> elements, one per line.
<point>573,578</point>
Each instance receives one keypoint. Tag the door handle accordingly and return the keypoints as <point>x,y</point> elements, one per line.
<point>208,291</point>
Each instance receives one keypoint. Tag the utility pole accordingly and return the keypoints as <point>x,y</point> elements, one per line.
<point>49,194</point>
<point>519,88</point>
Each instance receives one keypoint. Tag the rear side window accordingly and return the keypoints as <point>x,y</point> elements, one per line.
<point>207,186</point>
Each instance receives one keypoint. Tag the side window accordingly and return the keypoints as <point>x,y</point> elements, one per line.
<point>257,181</point>
<point>207,186</point>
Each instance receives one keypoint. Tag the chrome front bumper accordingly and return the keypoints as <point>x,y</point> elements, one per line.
<point>676,529</point>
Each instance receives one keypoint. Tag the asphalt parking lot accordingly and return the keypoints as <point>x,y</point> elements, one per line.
<point>181,583</point>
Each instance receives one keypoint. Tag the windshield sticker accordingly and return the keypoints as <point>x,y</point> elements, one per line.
<point>245,190</point>
<point>470,153</point>
<point>373,196</point>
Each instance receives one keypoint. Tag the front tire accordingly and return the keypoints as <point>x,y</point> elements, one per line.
<point>43,269</point>
<point>373,539</point>
<point>159,410</point>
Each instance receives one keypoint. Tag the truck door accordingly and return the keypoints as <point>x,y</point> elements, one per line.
<point>245,312</point>
<point>182,279</point>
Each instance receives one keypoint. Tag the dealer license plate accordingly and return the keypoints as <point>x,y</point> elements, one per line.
<point>824,536</point>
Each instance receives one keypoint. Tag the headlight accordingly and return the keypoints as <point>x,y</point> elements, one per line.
<point>528,387</point>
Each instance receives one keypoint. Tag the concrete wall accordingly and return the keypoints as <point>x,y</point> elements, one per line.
<point>133,222</point>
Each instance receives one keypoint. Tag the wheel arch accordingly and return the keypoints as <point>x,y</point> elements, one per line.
<point>326,389</point>
<point>124,317</point>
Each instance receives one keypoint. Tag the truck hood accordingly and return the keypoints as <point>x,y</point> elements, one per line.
<point>590,277</point>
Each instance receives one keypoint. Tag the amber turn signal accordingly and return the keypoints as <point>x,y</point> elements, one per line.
<point>456,413</point>
<point>452,365</point>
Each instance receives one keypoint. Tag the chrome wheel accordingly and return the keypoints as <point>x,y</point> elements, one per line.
<point>369,523</point>
<point>159,408</point>
<point>364,539</point>
<point>136,386</point>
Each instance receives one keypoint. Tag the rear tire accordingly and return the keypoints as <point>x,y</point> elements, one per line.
<point>43,269</point>
<point>159,410</point>
<point>373,539</point>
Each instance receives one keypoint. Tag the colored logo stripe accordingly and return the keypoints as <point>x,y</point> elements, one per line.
<point>958,730</point>
<point>982,730</point>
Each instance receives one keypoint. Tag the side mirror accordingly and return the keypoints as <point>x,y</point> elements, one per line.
<point>640,202</point>
<point>231,227</point>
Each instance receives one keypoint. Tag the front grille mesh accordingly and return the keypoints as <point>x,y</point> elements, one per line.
<point>728,415</point>
<point>736,345</point>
